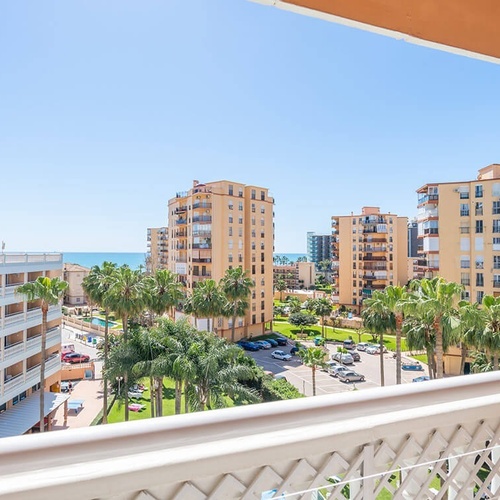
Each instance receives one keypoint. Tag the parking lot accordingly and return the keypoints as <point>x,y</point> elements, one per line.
<point>301,377</point>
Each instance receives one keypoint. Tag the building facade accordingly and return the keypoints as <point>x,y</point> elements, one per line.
<point>219,225</point>
<point>74,275</point>
<point>369,252</point>
<point>297,276</point>
<point>319,247</point>
<point>157,251</point>
<point>21,328</point>
<point>459,232</point>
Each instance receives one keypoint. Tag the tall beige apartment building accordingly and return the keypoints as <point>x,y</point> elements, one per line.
<point>20,344</point>
<point>74,274</point>
<point>220,225</point>
<point>157,252</point>
<point>459,232</point>
<point>369,252</point>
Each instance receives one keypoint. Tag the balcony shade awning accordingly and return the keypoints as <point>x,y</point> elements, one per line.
<point>25,414</point>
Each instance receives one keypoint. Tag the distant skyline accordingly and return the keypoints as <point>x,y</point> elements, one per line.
<point>109,108</point>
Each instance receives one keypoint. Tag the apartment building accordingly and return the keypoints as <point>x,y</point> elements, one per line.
<point>20,344</point>
<point>157,250</point>
<point>369,252</point>
<point>74,274</point>
<point>459,232</point>
<point>319,247</point>
<point>219,225</point>
<point>297,276</point>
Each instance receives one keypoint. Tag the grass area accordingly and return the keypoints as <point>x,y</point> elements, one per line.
<point>421,357</point>
<point>334,334</point>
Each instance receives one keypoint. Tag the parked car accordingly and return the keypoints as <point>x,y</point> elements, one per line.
<point>330,365</point>
<point>349,344</point>
<point>281,355</point>
<point>263,343</point>
<point>282,340</point>
<point>355,355</point>
<point>135,394</point>
<point>272,342</point>
<point>350,376</point>
<point>362,346</point>
<point>374,349</point>
<point>334,372</point>
<point>75,357</point>
<point>422,378</point>
<point>344,358</point>
<point>294,350</point>
<point>248,346</point>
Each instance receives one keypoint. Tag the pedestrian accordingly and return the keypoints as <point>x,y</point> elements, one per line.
<point>70,386</point>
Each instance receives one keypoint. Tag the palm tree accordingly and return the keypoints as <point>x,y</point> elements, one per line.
<point>49,291</point>
<point>294,304</point>
<point>127,298</point>
<point>314,357</point>
<point>490,335</point>
<point>323,307</point>
<point>207,301</point>
<point>378,318</point>
<point>280,286</point>
<point>325,266</point>
<point>164,292</point>
<point>97,285</point>
<point>217,374</point>
<point>472,326</point>
<point>236,285</point>
<point>440,298</point>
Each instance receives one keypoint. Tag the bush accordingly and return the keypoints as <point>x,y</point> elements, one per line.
<point>278,390</point>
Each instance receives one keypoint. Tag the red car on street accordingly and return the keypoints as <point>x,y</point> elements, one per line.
<point>75,357</point>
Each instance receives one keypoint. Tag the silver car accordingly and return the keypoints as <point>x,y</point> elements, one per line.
<point>350,376</point>
<point>344,358</point>
<point>334,372</point>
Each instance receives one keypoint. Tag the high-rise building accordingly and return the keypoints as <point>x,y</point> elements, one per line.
<point>219,225</point>
<point>413,238</point>
<point>297,276</point>
<point>319,247</point>
<point>369,252</point>
<point>157,253</point>
<point>20,343</point>
<point>74,274</point>
<point>459,232</point>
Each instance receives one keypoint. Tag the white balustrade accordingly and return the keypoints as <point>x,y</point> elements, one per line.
<point>13,383</point>
<point>12,350</point>
<point>294,446</point>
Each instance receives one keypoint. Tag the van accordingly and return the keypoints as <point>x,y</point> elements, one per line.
<point>65,348</point>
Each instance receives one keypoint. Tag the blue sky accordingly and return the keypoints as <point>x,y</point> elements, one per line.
<point>108,108</point>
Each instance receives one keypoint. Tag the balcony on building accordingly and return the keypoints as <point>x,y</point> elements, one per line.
<point>202,218</point>
<point>181,209</point>
<point>202,204</point>
<point>180,222</point>
<point>428,194</point>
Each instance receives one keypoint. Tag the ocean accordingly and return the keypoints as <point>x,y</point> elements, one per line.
<point>133,260</point>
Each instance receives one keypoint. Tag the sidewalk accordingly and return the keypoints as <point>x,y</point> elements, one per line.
<point>90,391</point>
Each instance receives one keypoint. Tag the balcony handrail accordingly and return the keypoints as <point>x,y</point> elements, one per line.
<point>200,451</point>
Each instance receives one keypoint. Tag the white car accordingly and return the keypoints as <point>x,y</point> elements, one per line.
<point>362,346</point>
<point>335,371</point>
<point>134,394</point>
<point>374,349</point>
<point>329,366</point>
<point>281,355</point>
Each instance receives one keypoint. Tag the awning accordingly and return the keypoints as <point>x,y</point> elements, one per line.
<point>23,416</point>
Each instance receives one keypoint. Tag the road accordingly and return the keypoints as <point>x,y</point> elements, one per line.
<point>68,336</point>
<point>301,376</point>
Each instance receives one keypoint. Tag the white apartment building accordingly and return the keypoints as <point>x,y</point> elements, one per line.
<point>20,344</point>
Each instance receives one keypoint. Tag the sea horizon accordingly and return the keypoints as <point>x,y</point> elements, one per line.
<point>132,259</point>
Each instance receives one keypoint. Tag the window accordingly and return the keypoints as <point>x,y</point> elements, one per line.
<point>479,279</point>
<point>262,304</point>
<point>240,192</point>
<point>464,229</point>
<point>240,257</point>
<point>253,221</point>
<point>253,319</point>
<point>262,221</point>
<point>465,279</point>
<point>495,190</point>
<point>253,245</point>
<point>253,294</point>
<point>465,262</point>
<point>230,231</point>
<point>479,244</point>
<point>262,318</point>
<point>262,294</point>
<point>479,262</point>
<point>240,220</point>
<point>464,193</point>
<point>479,226</point>
<point>230,219</point>
<point>479,296</point>
<point>496,207</point>
<point>496,261</point>
<point>262,269</point>
<point>354,222</point>
<point>230,244</point>
<point>230,187</point>
<point>240,205</point>
<point>240,244</point>
<point>230,257</point>
<point>354,283</point>
<point>496,226</point>
<point>253,194</point>
<point>496,281</point>
<point>479,191</point>
<point>262,196</point>
<point>262,209</point>
<point>253,207</point>
<point>262,282</point>
<point>479,208</point>
<point>240,232</point>
<point>253,233</point>
<point>253,269</point>
<point>262,246</point>
<point>464,209</point>
<point>465,295</point>
<point>496,243</point>
<point>262,234</point>
<point>354,248</point>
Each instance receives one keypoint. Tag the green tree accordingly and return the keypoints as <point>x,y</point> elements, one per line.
<point>217,374</point>
<point>280,286</point>
<point>164,292</point>
<point>294,304</point>
<point>127,297</point>
<point>489,338</point>
<point>207,301</point>
<point>323,308</point>
<point>440,298</point>
<point>314,358</point>
<point>97,285</point>
<point>49,291</point>
<point>302,319</point>
<point>325,266</point>
<point>236,285</point>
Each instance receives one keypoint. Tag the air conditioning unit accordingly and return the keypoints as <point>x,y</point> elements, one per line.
<point>456,190</point>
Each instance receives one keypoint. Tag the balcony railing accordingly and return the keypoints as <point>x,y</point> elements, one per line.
<point>428,198</point>
<point>17,258</point>
<point>202,204</point>
<point>397,439</point>
<point>201,245</point>
<point>207,260</point>
<point>202,218</point>
<point>180,210</point>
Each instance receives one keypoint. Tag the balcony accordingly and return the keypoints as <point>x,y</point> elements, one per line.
<point>180,234</point>
<point>180,222</point>
<point>203,261</point>
<point>371,239</point>
<point>446,428</point>
<point>428,198</point>
<point>202,218</point>
<point>202,204</point>
<point>201,245</point>
<point>373,258</point>
<point>180,210</point>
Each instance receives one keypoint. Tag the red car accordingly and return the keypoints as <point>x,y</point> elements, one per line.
<point>75,357</point>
